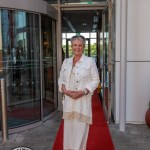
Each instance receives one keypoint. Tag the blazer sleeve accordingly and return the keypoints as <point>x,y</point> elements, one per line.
<point>61,79</point>
<point>93,84</point>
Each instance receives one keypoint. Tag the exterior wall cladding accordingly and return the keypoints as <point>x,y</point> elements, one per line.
<point>138,61</point>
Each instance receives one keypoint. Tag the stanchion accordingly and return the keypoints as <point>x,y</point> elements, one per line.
<point>4,112</point>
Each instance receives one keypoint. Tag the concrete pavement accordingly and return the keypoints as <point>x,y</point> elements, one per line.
<point>136,137</point>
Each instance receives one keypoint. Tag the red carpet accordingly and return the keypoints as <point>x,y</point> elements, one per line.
<point>99,136</point>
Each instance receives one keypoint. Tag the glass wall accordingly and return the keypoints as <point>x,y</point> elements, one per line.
<point>20,55</point>
<point>49,64</point>
<point>105,60</point>
<point>20,66</point>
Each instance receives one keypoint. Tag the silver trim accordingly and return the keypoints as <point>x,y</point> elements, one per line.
<point>123,65</point>
<point>41,66</point>
<point>4,112</point>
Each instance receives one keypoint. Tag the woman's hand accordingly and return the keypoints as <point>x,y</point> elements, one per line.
<point>77,94</point>
<point>73,94</point>
<point>66,92</point>
<point>69,93</point>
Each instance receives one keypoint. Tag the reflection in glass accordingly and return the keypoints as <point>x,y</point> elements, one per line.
<point>49,65</point>
<point>20,48</point>
<point>75,1</point>
<point>105,59</point>
<point>81,1</point>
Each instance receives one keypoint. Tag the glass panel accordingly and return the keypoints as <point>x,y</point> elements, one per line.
<point>70,49</point>
<point>93,49</point>
<point>86,35</point>
<point>63,48</point>
<point>105,56</point>
<point>76,1</point>
<point>81,1</point>
<point>86,48</point>
<point>70,35</point>
<point>93,35</point>
<point>49,61</point>
<point>63,35</point>
<point>20,52</point>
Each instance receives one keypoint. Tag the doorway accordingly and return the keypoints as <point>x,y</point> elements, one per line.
<point>74,17</point>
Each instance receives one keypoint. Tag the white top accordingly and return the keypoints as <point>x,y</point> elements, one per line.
<point>83,75</point>
<point>72,79</point>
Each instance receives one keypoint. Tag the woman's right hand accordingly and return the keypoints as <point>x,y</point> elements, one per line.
<point>73,94</point>
<point>65,91</point>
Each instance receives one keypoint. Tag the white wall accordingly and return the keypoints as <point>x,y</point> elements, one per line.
<point>138,30</point>
<point>138,91</point>
<point>138,60</point>
<point>138,57</point>
<point>117,84</point>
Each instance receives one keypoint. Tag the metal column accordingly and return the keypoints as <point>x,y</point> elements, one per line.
<point>4,112</point>
<point>123,57</point>
<point>59,52</point>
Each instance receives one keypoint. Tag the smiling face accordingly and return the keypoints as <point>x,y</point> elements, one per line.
<point>77,47</point>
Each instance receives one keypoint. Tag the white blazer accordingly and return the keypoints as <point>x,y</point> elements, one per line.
<point>86,76</point>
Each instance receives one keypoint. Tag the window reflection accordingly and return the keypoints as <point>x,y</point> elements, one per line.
<point>49,65</point>
<point>20,65</point>
<point>75,1</point>
<point>105,59</point>
<point>20,48</point>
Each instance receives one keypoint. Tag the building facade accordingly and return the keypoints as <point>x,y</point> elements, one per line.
<point>31,57</point>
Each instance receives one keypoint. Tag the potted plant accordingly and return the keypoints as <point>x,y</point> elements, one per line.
<point>147,116</point>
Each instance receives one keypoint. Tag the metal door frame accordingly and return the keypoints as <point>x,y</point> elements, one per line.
<point>108,9</point>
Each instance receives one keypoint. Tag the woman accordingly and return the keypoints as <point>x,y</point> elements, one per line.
<point>78,79</point>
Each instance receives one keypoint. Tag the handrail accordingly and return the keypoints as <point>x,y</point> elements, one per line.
<point>4,112</point>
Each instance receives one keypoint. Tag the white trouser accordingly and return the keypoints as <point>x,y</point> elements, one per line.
<point>75,135</point>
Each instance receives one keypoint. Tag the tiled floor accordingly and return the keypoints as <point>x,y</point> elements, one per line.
<point>136,137</point>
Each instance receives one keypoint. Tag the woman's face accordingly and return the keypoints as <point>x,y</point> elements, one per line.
<point>77,47</point>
